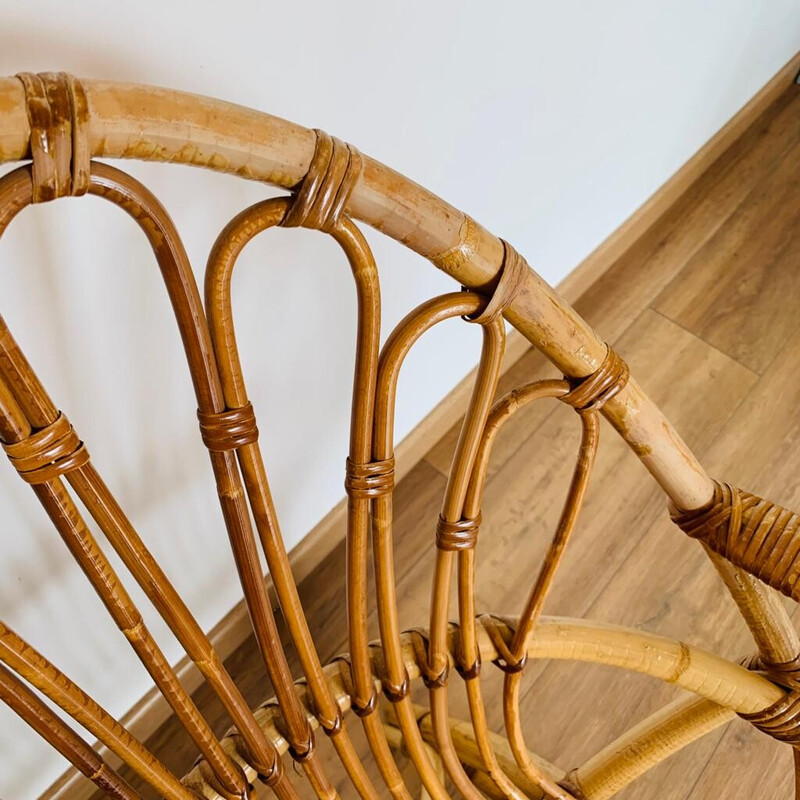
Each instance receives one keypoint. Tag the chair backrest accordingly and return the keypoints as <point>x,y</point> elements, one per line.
<point>59,123</point>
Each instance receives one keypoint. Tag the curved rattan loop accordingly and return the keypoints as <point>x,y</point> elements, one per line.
<point>49,453</point>
<point>58,117</point>
<point>393,354</point>
<point>322,196</point>
<point>459,535</point>
<point>34,408</point>
<point>750,532</point>
<point>512,278</point>
<point>222,261</point>
<point>229,429</point>
<point>511,658</point>
<point>594,391</point>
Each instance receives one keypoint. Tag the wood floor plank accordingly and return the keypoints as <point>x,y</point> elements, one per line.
<point>749,765</point>
<point>641,274</point>
<point>738,291</point>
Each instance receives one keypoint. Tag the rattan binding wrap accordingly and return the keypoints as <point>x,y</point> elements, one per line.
<point>323,194</point>
<point>57,113</point>
<point>781,720</point>
<point>750,532</point>
<point>512,278</point>
<point>785,673</point>
<point>52,451</point>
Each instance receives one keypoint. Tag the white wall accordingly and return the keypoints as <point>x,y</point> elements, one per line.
<point>548,122</point>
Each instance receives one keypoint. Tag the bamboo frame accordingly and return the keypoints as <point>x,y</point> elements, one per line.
<point>61,123</point>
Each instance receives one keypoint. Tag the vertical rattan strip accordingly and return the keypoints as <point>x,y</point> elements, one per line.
<point>218,302</point>
<point>20,699</point>
<point>39,672</point>
<point>41,458</point>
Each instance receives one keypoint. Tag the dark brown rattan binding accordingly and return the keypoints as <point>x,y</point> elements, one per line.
<point>228,430</point>
<point>750,532</point>
<point>51,452</point>
<point>509,284</point>
<point>322,197</point>
<point>781,721</point>
<point>594,391</point>
<point>58,116</point>
<point>570,784</point>
<point>784,673</point>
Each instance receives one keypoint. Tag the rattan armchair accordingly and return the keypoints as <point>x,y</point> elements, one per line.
<point>56,124</point>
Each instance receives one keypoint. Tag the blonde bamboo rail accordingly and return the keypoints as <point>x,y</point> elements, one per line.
<point>647,744</point>
<point>131,121</point>
<point>709,676</point>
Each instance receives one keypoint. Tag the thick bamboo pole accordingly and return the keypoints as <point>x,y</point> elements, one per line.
<point>647,744</point>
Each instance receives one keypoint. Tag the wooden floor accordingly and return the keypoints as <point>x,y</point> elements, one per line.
<point>706,310</point>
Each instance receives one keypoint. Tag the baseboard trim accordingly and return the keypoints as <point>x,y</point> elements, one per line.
<point>627,234</point>
<point>152,710</point>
